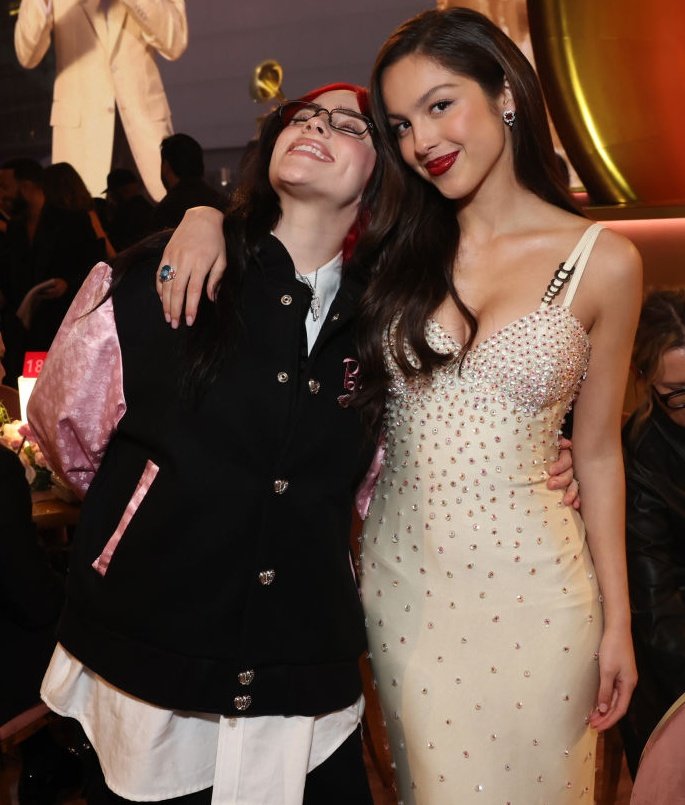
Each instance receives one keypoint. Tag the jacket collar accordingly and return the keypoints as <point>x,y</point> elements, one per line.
<point>277,264</point>
<point>107,28</point>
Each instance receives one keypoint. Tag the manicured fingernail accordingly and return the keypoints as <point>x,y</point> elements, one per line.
<point>190,320</point>
<point>174,324</point>
<point>603,708</point>
<point>167,317</point>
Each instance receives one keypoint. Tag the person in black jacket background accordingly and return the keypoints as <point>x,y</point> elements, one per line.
<point>654,449</point>
<point>31,596</point>
<point>31,592</point>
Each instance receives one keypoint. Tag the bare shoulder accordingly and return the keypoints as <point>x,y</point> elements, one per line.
<point>611,286</point>
<point>617,258</point>
<point>614,252</point>
<point>611,289</point>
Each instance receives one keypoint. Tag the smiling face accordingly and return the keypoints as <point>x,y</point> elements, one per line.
<point>311,160</point>
<point>448,130</point>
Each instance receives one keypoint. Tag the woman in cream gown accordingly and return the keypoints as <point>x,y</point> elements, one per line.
<point>496,657</point>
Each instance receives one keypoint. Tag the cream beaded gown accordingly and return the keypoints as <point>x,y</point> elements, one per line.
<point>483,609</point>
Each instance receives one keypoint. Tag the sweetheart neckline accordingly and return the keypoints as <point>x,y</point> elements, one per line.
<point>509,325</point>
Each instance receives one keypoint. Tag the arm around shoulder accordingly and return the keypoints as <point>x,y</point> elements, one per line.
<point>197,251</point>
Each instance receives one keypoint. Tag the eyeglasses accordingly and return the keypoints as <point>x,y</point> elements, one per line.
<point>673,399</point>
<point>345,121</point>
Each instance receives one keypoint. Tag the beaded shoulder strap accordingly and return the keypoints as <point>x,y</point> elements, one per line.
<point>572,268</point>
<point>561,276</point>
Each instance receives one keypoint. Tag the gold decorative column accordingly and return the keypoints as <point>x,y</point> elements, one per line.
<point>613,72</point>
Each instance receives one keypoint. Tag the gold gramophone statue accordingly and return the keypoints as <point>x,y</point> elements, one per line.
<point>266,81</point>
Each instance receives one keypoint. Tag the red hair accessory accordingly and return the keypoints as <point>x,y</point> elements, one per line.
<point>361,93</point>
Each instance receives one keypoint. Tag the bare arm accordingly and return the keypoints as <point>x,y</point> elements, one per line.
<point>32,32</point>
<point>616,288</point>
<point>164,24</point>
<point>196,251</point>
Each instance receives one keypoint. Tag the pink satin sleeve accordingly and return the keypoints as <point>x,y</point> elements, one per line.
<point>78,400</point>
<point>367,486</point>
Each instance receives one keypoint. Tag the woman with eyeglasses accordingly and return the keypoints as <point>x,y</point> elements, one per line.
<point>654,449</point>
<point>210,641</point>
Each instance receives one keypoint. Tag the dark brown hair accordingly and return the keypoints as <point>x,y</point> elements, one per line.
<point>64,188</point>
<point>661,327</point>
<point>413,236</point>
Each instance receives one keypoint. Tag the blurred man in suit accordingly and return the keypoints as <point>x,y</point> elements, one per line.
<point>106,72</point>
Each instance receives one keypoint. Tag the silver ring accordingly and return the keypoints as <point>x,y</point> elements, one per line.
<point>167,273</point>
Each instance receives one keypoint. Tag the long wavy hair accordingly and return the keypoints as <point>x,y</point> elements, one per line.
<point>253,213</point>
<point>413,237</point>
<point>64,188</point>
<point>661,328</point>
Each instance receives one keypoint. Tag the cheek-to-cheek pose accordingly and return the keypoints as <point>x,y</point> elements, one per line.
<point>498,618</point>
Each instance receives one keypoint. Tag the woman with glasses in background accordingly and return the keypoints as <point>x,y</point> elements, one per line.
<point>654,448</point>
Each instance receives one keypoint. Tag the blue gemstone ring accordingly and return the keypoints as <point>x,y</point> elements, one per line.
<point>166,274</point>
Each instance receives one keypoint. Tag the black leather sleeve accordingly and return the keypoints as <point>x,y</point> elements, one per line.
<point>31,593</point>
<point>654,544</point>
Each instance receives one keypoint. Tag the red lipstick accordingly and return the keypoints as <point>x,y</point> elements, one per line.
<point>436,167</point>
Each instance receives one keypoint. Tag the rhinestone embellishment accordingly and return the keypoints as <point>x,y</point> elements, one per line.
<point>266,577</point>
<point>242,702</point>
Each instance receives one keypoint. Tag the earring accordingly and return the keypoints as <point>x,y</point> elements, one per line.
<point>509,116</point>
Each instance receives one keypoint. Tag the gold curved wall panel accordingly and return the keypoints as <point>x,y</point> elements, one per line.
<point>613,72</point>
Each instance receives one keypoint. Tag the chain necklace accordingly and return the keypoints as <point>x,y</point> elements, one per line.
<point>315,304</point>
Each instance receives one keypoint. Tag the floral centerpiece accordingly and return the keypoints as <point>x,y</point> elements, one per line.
<point>16,435</point>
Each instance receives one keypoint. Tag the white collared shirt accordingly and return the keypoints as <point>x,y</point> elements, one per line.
<point>327,280</point>
<point>148,753</point>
